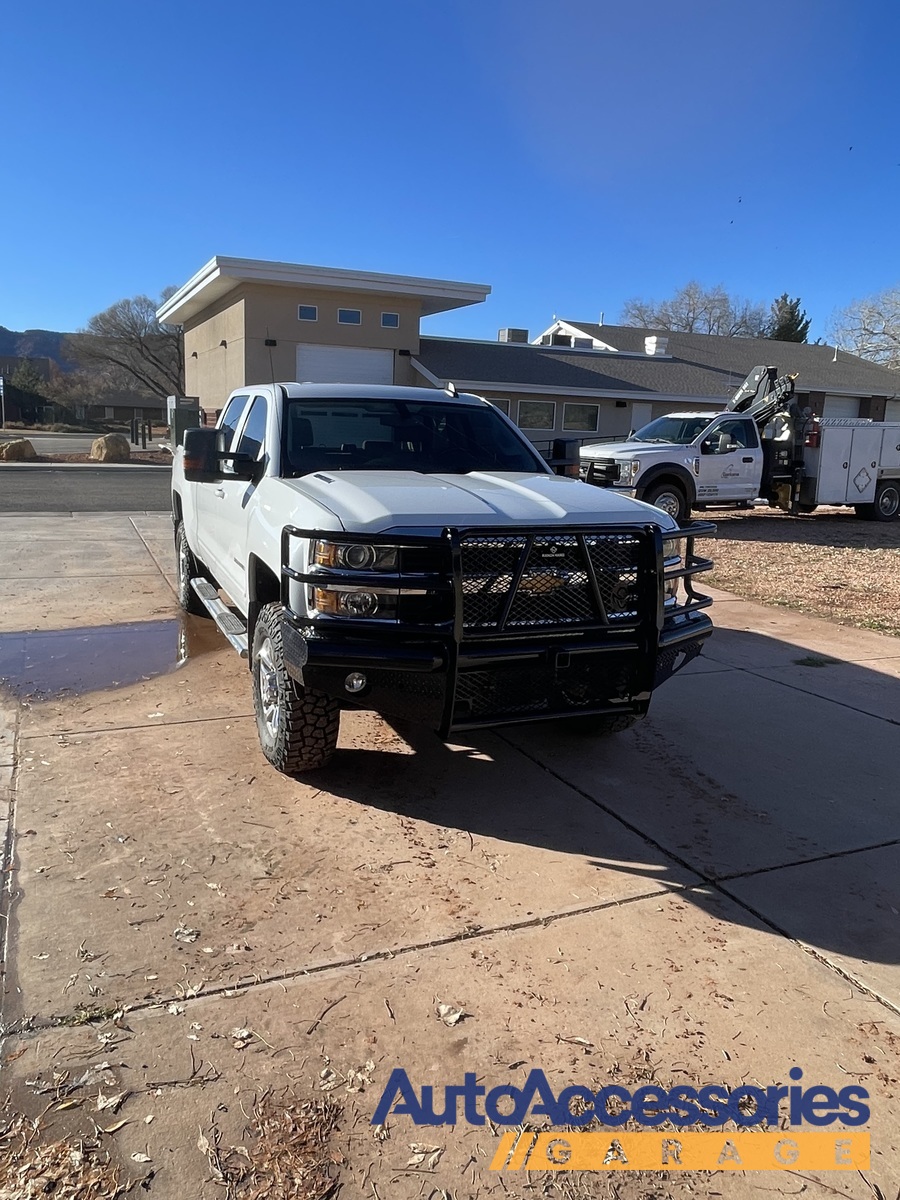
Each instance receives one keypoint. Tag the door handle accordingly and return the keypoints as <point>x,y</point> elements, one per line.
<point>220,492</point>
<point>748,459</point>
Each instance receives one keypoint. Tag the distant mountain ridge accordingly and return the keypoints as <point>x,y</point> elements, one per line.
<point>34,343</point>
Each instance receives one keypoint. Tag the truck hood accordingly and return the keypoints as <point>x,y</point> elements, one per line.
<point>620,449</point>
<point>382,501</point>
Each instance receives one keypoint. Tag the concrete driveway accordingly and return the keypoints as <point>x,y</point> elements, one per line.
<point>711,898</point>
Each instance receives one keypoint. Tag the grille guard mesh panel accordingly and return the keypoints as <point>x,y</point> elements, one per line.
<point>542,581</point>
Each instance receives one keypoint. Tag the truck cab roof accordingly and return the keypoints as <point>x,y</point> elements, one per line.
<point>368,391</point>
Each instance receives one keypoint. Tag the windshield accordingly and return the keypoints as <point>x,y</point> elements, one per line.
<point>396,435</point>
<point>679,431</point>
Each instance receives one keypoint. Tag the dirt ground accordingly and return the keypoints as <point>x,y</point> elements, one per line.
<point>829,564</point>
<point>189,937</point>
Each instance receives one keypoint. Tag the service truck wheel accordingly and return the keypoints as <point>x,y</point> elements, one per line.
<point>887,500</point>
<point>186,569</point>
<point>670,498</point>
<point>298,727</point>
<point>602,725</point>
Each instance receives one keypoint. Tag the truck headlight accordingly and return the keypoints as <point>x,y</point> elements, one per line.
<point>629,469</point>
<point>356,556</point>
<point>356,602</point>
<point>673,560</point>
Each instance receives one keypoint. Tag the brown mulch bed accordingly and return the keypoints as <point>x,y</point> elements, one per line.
<point>829,563</point>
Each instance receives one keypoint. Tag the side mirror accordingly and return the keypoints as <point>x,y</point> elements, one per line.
<point>708,447</point>
<point>243,466</point>
<point>201,455</point>
<point>565,458</point>
<point>204,455</point>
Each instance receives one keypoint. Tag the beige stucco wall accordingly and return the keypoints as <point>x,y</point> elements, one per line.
<point>253,313</point>
<point>212,370</point>
<point>271,312</point>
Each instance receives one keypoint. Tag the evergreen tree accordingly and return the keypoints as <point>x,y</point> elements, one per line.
<point>27,380</point>
<point>788,322</point>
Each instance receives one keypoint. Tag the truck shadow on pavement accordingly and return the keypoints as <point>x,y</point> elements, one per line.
<point>774,787</point>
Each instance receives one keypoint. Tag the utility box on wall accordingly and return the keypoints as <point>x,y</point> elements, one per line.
<point>183,413</point>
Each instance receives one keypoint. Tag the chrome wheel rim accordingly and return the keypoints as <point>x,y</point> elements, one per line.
<point>267,682</point>
<point>184,566</point>
<point>668,502</point>
<point>888,502</point>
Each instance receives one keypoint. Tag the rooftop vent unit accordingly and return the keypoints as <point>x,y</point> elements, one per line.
<point>513,335</point>
<point>655,346</point>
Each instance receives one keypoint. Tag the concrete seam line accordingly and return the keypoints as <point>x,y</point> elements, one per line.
<point>32,737</point>
<point>40,1024</point>
<point>153,556</point>
<point>7,895</point>
<point>805,862</point>
<point>827,699</point>
<point>819,957</point>
<point>712,882</point>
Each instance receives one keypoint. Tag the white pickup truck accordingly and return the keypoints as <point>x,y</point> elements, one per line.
<point>407,550</point>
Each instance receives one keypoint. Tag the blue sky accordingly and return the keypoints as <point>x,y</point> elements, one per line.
<point>569,154</point>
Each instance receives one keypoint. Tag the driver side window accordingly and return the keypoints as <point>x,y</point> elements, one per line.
<point>231,418</point>
<point>253,434</point>
<point>730,436</point>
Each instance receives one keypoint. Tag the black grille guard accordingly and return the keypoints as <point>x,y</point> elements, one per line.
<point>637,633</point>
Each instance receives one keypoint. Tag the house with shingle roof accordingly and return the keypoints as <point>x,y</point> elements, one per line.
<point>246,321</point>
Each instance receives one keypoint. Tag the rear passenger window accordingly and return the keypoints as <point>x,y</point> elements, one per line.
<point>254,432</point>
<point>231,417</point>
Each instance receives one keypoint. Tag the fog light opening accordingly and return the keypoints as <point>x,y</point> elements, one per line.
<point>355,682</point>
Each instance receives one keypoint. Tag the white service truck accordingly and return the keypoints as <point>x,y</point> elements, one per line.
<point>762,445</point>
<point>407,550</point>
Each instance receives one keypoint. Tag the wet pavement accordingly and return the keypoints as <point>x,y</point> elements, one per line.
<point>48,664</point>
<point>711,897</point>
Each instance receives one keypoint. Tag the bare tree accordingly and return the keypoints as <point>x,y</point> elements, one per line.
<point>128,337</point>
<point>106,385</point>
<point>870,328</point>
<point>696,309</point>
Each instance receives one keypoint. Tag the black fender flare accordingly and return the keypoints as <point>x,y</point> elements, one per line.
<point>662,471</point>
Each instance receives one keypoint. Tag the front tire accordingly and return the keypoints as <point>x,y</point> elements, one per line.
<point>297,726</point>
<point>186,569</point>
<point>670,498</point>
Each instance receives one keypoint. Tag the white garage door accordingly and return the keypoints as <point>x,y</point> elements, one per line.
<point>892,410</point>
<point>841,406</point>
<point>344,364</point>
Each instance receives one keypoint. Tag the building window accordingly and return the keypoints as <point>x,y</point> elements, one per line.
<point>581,418</point>
<point>390,320</point>
<point>503,405</point>
<point>349,316</point>
<point>537,414</point>
<point>307,312</point>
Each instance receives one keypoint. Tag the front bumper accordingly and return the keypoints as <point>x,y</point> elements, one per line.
<point>452,679</point>
<point>433,684</point>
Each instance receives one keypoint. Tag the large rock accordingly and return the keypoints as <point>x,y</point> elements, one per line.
<point>17,451</point>
<point>112,447</point>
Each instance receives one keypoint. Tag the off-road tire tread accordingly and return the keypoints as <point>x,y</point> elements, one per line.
<point>188,599</point>
<point>307,736</point>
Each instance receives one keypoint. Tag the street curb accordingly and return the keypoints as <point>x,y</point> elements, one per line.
<point>33,466</point>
